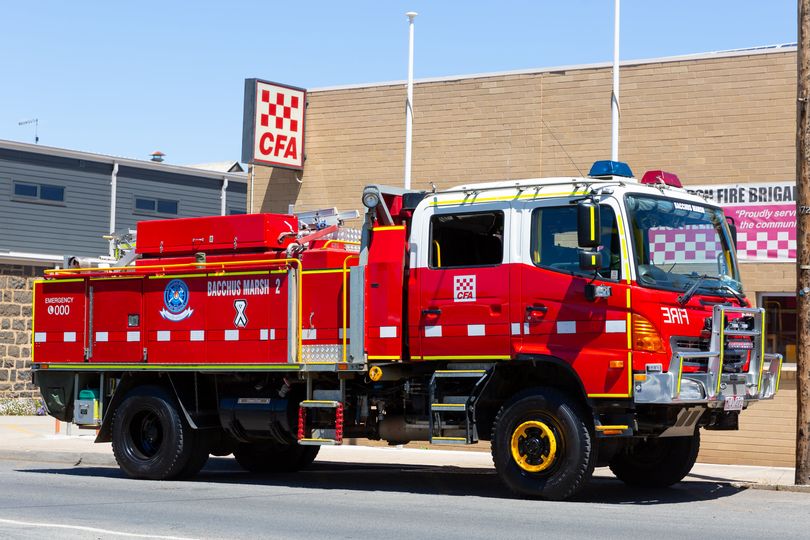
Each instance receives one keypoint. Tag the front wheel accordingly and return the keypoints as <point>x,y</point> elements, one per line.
<point>541,446</point>
<point>657,462</point>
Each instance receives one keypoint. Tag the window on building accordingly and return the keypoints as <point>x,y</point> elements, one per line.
<point>554,241</point>
<point>780,325</point>
<point>148,205</point>
<point>473,239</point>
<point>29,191</point>
<point>236,211</point>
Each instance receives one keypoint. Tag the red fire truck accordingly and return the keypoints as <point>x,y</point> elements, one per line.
<point>572,322</point>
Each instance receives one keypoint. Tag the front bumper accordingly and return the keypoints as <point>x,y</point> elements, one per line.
<point>760,381</point>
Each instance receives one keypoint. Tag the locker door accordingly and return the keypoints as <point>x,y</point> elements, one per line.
<point>116,333</point>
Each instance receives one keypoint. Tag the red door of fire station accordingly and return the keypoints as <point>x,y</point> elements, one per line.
<point>464,287</point>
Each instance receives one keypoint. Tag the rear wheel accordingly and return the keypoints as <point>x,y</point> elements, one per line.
<point>657,462</point>
<point>541,446</point>
<point>150,438</point>
<point>272,457</point>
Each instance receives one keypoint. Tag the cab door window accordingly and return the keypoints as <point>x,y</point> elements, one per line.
<point>466,240</point>
<point>554,241</point>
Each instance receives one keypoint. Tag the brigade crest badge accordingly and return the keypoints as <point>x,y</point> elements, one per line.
<point>175,301</point>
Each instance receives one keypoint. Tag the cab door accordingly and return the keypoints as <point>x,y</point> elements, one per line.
<point>463,283</point>
<point>557,317</point>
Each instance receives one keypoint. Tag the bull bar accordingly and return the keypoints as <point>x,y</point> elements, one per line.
<point>712,388</point>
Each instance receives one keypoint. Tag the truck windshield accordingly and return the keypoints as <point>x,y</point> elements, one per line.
<point>677,243</point>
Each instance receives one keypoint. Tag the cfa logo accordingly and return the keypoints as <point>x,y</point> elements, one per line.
<point>464,289</point>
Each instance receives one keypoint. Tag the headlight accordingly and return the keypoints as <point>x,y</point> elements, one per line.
<point>371,198</point>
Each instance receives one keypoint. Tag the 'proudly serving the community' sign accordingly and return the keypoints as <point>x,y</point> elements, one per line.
<point>765,215</point>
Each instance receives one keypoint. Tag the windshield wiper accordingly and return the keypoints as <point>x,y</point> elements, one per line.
<point>690,292</point>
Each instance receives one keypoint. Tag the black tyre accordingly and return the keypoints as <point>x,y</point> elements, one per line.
<point>542,446</point>
<point>656,462</point>
<point>272,457</point>
<point>150,437</point>
<point>199,455</point>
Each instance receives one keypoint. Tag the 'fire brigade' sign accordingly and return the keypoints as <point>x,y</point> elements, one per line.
<point>273,124</point>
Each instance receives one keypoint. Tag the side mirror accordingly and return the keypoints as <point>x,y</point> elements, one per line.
<point>588,224</point>
<point>589,260</point>
<point>732,228</point>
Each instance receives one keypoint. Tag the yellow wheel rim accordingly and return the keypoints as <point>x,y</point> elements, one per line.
<point>534,446</point>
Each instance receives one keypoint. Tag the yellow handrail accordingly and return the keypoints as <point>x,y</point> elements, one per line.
<point>345,301</point>
<point>438,254</point>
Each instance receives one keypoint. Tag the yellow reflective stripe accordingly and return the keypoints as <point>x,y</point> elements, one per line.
<point>389,228</point>
<point>525,196</point>
<point>593,223</point>
<point>722,349</point>
<point>75,280</point>
<point>329,271</point>
<point>680,374</point>
<point>629,372</point>
<point>395,357</point>
<point>109,278</point>
<point>173,276</point>
<point>625,257</point>
<point>170,367</point>
<point>467,357</point>
<point>247,273</point>
<point>609,395</point>
<point>778,376</point>
<point>618,426</point>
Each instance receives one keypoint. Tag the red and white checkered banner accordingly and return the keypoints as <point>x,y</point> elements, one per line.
<point>765,215</point>
<point>689,245</point>
<point>273,124</point>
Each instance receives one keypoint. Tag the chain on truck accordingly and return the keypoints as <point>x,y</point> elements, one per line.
<point>572,322</point>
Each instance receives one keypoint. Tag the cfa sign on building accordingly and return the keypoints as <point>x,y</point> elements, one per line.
<point>273,124</point>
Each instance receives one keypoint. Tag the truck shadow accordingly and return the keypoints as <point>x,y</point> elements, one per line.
<point>425,480</point>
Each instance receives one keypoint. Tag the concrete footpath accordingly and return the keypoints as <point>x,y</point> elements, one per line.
<point>37,438</point>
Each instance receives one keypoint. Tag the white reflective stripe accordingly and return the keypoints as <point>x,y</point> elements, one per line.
<point>309,333</point>
<point>272,333</point>
<point>231,335</point>
<point>102,336</point>
<point>616,327</point>
<point>476,330</point>
<point>433,331</point>
<point>263,333</point>
<point>69,337</point>
<point>164,335</point>
<point>197,335</point>
<point>133,336</point>
<point>526,328</point>
<point>515,328</point>
<point>40,337</point>
<point>566,327</point>
<point>388,331</point>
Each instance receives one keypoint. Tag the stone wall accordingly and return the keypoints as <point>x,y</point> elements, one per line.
<point>16,285</point>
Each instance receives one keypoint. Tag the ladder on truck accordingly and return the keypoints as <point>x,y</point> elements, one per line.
<point>320,416</point>
<point>453,393</point>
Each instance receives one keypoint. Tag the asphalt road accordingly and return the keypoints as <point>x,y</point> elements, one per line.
<point>334,500</point>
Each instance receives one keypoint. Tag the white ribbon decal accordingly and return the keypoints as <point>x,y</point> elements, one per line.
<point>241,318</point>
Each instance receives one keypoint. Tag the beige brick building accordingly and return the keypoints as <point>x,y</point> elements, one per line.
<point>718,118</point>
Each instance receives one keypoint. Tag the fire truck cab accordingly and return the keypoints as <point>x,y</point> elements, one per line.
<point>572,322</point>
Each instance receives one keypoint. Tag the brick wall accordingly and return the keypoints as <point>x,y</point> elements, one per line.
<point>16,285</point>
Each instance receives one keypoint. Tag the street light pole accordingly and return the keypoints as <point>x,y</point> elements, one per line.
<point>409,103</point>
<point>614,98</point>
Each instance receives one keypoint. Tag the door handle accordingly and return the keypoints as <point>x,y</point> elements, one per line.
<point>432,311</point>
<point>532,311</point>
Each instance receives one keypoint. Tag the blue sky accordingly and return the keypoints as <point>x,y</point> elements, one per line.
<point>129,78</point>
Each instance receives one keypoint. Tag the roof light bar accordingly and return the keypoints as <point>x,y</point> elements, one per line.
<point>661,177</point>
<point>610,168</point>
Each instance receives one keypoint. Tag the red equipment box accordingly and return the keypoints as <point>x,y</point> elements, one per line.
<point>216,234</point>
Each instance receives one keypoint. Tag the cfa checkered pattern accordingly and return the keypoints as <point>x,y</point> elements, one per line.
<point>279,110</point>
<point>760,245</point>
<point>698,245</point>
<point>464,288</point>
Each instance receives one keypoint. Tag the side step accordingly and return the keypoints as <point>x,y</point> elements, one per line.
<point>326,431</point>
<point>452,396</point>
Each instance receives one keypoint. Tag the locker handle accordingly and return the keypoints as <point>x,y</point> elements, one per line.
<point>434,311</point>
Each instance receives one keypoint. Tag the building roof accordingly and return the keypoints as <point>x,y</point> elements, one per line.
<point>220,166</point>
<point>129,162</point>
<point>749,51</point>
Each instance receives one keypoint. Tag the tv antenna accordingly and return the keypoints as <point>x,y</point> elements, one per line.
<point>34,121</point>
